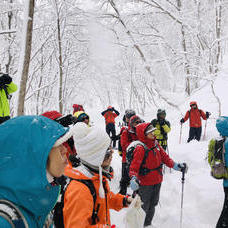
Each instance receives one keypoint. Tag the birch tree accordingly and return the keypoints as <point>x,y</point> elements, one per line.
<point>25,53</point>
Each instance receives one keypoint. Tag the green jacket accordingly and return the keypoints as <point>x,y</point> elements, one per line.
<point>4,103</point>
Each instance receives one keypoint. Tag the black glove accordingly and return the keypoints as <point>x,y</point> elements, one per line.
<point>113,109</point>
<point>208,114</point>
<point>182,120</point>
<point>5,79</point>
<point>183,167</point>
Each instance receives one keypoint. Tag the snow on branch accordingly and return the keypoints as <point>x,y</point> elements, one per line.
<point>3,32</point>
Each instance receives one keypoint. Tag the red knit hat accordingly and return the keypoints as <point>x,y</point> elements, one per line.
<point>52,115</point>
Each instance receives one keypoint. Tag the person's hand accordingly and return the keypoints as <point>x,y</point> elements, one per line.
<point>134,183</point>
<point>182,167</point>
<point>113,108</point>
<point>182,121</point>
<point>138,202</point>
<point>208,114</point>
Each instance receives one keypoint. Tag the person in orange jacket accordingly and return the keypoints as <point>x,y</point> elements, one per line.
<point>110,114</point>
<point>194,115</point>
<point>93,147</point>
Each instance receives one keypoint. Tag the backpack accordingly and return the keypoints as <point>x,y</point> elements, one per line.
<point>216,158</point>
<point>130,154</point>
<point>11,213</point>
<point>58,211</point>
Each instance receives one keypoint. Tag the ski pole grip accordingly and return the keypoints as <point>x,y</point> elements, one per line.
<point>183,171</point>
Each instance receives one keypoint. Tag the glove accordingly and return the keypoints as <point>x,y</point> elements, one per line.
<point>208,114</point>
<point>134,183</point>
<point>5,79</point>
<point>182,167</point>
<point>113,109</point>
<point>182,120</point>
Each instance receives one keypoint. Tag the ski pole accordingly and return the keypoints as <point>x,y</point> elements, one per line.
<point>204,135</point>
<point>168,154</point>
<point>180,134</point>
<point>182,193</point>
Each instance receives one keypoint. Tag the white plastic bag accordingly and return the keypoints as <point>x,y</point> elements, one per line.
<point>135,215</point>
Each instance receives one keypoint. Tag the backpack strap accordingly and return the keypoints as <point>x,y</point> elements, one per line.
<point>91,187</point>
<point>92,190</point>
<point>9,96</point>
<point>145,170</point>
<point>12,214</point>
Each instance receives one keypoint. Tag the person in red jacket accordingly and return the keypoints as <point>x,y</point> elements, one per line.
<point>146,177</point>
<point>194,115</point>
<point>128,136</point>
<point>110,114</point>
<point>77,108</point>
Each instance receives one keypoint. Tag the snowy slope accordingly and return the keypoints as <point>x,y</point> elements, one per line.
<point>203,195</point>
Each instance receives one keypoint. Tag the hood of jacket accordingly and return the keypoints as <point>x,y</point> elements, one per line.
<point>222,125</point>
<point>26,142</point>
<point>140,132</point>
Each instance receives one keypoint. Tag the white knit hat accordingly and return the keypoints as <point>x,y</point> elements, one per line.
<point>91,143</point>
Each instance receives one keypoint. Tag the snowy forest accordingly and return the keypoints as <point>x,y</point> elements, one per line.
<point>128,53</point>
<point>143,55</point>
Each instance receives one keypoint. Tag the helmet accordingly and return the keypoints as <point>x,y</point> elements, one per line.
<point>81,116</point>
<point>129,113</point>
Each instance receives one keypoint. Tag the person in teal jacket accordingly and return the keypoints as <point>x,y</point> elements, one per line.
<point>6,88</point>
<point>222,127</point>
<point>32,154</point>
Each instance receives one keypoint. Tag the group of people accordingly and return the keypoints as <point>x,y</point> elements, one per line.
<point>144,174</point>
<point>35,153</point>
<point>41,155</point>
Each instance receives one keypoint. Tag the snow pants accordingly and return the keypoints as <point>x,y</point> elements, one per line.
<point>110,128</point>
<point>150,196</point>
<point>125,180</point>
<point>194,133</point>
<point>223,219</point>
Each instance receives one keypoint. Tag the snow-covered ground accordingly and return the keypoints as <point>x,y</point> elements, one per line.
<point>203,195</point>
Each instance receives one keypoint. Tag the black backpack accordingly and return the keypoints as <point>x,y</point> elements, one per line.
<point>58,210</point>
<point>130,154</point>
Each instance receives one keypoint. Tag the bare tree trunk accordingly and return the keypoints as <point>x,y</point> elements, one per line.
<point>60,57</point>
<point>186,62</point>
<point>218,12</point>
<point>27,54</point>
<point>10,17</point>
<point>60,67</point>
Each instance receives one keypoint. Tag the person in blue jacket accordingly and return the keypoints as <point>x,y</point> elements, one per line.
<point>222,127</point>
<point>32,154</point>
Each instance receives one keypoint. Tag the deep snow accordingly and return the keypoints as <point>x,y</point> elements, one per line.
<point>203,195</point>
